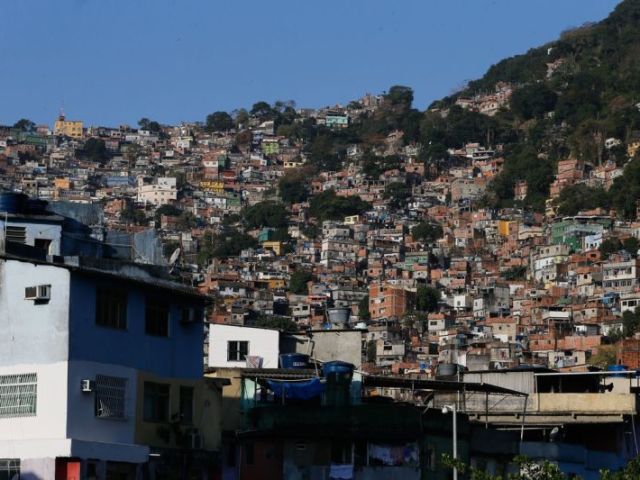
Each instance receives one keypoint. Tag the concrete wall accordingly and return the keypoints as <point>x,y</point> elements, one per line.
<point>44,230</point>
<point>33,333</point>
<point>82,423</point>
<point>178,355</point>
<point>262,342</point>
<point>332,345</point>
<point>207,412</point>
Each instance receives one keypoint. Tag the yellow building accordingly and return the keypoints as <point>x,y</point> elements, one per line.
<point>179,413</point>
<point>62,183</point>
<point>69,128</point>
<point>273,245</point>
<point>505,227</point>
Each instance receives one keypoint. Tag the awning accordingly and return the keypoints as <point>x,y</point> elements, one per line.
<point>303,390</point>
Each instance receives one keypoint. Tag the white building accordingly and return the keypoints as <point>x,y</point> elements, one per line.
<point>80,349</point>
<point>230,346</point>
<point>157,191</point>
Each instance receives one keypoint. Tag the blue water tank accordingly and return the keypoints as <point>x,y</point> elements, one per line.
<point>294,360</point>
<point>338,369</point>
<point>12,202</point>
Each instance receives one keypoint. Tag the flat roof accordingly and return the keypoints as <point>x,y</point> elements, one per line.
<point>436,385</point>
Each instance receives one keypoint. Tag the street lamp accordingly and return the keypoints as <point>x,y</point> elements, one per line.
<point>446,409</point>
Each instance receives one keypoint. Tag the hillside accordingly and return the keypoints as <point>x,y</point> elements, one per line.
<point>574,98</point>
<point>569,97</point>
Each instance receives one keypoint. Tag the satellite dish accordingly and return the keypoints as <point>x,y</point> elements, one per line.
<point>174,256</point>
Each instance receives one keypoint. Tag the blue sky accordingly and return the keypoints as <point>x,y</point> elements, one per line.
<point>111,62</point>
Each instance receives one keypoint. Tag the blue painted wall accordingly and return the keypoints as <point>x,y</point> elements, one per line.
<point>179,355</point>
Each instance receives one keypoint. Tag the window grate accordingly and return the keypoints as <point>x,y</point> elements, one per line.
<point>18,395</point>
<point>110,396</point>
<point>16,234</point>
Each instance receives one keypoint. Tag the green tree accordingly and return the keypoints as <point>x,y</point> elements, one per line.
<point>298,281</point>
<point>533,100</point>
<point>284,324</point>
<point>398,194</point>
<point>363,308</point>
<point>150,125</point>
<point>25,125</point>
<point>329,206</point>
<point>427,298</point>
<point>606,356</point>
<point>265,214</point>
<point>427,232</point>
<point>609,246</point>
<point>219,121</point>
<point>293,188</point>
<point>95,150</point>
<point>631,245</point>
<point>630,323</point>
<point>262,110</point>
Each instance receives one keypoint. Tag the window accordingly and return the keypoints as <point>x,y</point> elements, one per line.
<point>9,468</point>
<point>42,244</point>
<point>186,404</point>
<point>111,308</point>
<point>156,402</point>
<point>18,395</point>
<point>110,396</point>
<point>237,351</point>
<point>16,234</point>
<point>156,318</point>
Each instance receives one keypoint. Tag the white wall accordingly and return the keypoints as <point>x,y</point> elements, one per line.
<point>33,333</point>
<point>47,231</point>
<point>262,342</point>
<point>24,434</point>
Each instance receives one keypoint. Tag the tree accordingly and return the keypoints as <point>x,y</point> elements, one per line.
<point>426,232</point>
<point>265,214</point>
<point>575,198</point>
<point>262,110</point>
<point>298,281</point>
<point>284,324</point>
<point>606,356</point>
<point>151,125</point>
<point>533,100</point>
<point>293,188</point>
<point>398,193</point>
<point>25,125</point>
<point>95,150</point>
<point>427,298</point>
<point>240,117</point>
<point>167,210</point>
<point>630,323</point>
<point>363,308</point>
<point>631,245</point>
<point>328,206</point>
<point>609,246</point>
<point>219,122</point>
<point>372,351</point>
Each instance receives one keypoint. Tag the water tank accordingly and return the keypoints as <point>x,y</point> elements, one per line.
<point>12,202</point>
<point>294,360</point>
<point>446,370</point>
<point>339,317</point>
<point>338,375</point>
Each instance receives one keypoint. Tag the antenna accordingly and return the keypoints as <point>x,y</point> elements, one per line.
<point>174,256</point>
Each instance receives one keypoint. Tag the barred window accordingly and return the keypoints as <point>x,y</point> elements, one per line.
<point>9,468</point>
<point>110,396</point>
<point>18,395</point>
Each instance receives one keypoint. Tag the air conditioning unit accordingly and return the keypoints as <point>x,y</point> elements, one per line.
<point>87,386</point>
<point>38,292</point>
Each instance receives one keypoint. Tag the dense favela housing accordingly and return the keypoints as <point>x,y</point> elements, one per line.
<point>341,292</point>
